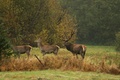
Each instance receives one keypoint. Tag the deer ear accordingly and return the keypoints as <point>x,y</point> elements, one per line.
<point>38,40</point>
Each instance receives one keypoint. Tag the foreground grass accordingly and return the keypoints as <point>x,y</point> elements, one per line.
<point>56,75</point>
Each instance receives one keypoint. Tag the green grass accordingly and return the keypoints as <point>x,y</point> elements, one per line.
<point>101,50</point>
<point>56,75</point>
<point>92,51</point>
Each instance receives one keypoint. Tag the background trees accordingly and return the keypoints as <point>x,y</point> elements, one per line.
<point>98,20</point>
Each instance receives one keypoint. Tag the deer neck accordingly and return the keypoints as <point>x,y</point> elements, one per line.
<point>68,45</point>
<point>40,45</point>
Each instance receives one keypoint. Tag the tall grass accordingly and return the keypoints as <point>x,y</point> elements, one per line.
<point>98,61</point>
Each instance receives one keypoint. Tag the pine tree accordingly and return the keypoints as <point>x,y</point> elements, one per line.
<point>4,42</point>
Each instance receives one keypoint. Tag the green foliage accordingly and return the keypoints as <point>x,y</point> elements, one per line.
<point>27,20</point>
<point>4,43</point>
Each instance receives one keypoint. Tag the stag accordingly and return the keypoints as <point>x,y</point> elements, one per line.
<point>22,49</point>
<point>46,49</point>
<point>74,48</point>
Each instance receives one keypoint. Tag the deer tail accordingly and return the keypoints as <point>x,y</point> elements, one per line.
<point>30,46</point>
<point>84,48</point>
<point>58,47</point>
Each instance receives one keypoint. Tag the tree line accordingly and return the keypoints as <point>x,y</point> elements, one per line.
<point>97,20</point>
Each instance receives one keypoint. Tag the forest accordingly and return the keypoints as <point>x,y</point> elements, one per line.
<point>96,22</point>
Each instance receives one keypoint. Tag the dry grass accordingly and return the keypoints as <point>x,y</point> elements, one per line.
<point>63,63</point>
<point>98,59</point>
<point>19,64</point>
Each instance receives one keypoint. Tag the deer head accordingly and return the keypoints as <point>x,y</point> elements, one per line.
<point>38,40</point>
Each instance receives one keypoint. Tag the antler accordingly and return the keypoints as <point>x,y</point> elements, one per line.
<point>68,38</point>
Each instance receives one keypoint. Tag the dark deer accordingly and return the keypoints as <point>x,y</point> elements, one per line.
<point>46,49</point>
<point>22,49</point>
<point>74,48</point>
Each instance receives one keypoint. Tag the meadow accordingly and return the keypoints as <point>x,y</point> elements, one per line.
<point>100,63</point>
<point>56,75</point>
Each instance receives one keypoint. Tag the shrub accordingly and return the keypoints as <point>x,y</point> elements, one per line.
<point>4,43</point>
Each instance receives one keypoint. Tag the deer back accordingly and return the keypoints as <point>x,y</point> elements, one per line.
<point>22,48</point>
<point>77,48</point>
<point>48,48</point>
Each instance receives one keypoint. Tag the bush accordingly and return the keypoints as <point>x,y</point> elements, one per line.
<point>4,43</point>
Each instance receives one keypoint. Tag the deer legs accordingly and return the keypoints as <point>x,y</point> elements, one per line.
<point>76,55</point>
<point>55,52</point>
<point>28,54</point>
<point>19,55</point>
<point>44,54</point>
<point>83,54</point>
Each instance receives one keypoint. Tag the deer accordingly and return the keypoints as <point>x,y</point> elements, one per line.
<point>22,49</point>
<point>74,48</point>
<point>47,49</point>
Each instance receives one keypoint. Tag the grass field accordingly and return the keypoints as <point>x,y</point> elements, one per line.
<point>56,75</point>
<point>100,63</point>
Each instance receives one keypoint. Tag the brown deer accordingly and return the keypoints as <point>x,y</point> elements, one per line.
<point>46,49</point>
<point>22,49</point>
<point>74,48</point>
